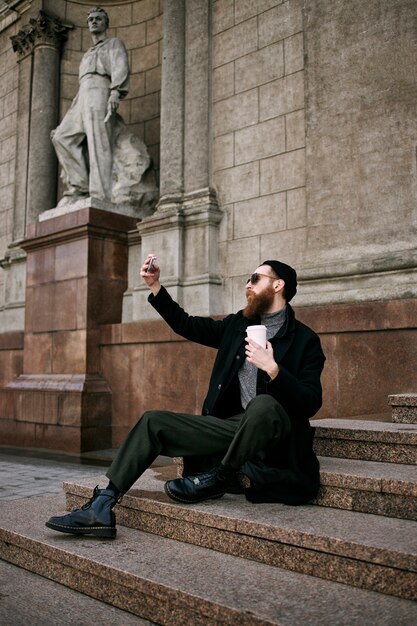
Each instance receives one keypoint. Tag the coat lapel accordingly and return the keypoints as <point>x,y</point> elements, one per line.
<point>281,346</point>
<point>236,353</point>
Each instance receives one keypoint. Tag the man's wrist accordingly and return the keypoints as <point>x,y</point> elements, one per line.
<point>155,288</point>
<point>273,371</point>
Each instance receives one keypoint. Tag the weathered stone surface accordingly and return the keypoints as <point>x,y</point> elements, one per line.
<point>280,22</point>
<point>238,183</point>
<point>281,96</point>
<point>286,171</point>
<point>259,67</point>
<point>404,415</point>
<point>403,399</point>
<point>236,112</point>
<point>260,141</point>
<point>294,53</point>
<point>235,42</point>
<point>223,81</point>
<point>359,106</point>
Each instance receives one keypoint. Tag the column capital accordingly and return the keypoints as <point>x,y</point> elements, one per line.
<point>42,30</point>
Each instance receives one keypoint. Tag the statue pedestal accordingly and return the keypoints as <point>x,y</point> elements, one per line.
<point>88,202</point>
<point>76,276</point>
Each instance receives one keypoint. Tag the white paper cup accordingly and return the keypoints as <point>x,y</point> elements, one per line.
<point>258,334</point>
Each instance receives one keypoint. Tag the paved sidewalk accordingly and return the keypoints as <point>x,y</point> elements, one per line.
<point>25,474</point>
<point>22,476</point>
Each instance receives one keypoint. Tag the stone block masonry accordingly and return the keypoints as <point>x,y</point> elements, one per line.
<point>259,129</point>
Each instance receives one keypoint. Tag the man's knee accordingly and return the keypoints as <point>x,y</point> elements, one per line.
<point>153,419</point>
<point>264,404</point>
<point>148,416</point>
<point>264,408</point>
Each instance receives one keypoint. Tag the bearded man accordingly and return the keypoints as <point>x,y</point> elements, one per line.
<point>253,436</point>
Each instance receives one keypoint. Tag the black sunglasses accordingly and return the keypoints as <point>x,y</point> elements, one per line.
<point>256,277</point>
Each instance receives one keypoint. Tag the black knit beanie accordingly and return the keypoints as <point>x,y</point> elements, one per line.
<point>288,275</point>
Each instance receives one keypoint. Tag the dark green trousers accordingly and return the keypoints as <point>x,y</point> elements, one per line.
<point>240,438</point>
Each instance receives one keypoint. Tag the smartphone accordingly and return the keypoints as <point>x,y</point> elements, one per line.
<point>150,266</point>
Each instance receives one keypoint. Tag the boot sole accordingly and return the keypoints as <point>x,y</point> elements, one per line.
<point>97,531</point>
<point>183,501</point>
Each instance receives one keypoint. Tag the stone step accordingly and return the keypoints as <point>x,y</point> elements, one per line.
<point>171,582</point>
<point>42,602</point>
<point>363,550</point>
<point>388,489</point>
<point>386,442</point>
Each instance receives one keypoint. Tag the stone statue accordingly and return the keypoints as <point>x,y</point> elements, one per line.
<point>100,158</point>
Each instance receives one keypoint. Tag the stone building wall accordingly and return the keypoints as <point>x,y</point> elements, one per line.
<point>311,133</point>
<point>314,138</point>
<point>361,175</point>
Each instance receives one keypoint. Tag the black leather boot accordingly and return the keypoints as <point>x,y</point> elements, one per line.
<point>206,486</point>
<point>95,517</point>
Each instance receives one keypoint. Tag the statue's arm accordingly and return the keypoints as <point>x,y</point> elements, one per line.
<point>119,75</point>
<point>119,68</point>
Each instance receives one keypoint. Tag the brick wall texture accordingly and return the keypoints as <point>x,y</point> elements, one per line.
<point>259,133</point>
<point>8,136</point>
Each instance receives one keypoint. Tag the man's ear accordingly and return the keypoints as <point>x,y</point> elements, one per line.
<point>279,284</point>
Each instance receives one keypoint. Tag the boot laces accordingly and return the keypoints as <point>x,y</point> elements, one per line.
<point>87,505</point>
<point>95,495</point>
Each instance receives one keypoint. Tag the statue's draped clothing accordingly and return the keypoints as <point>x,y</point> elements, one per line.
<point>84,142</point>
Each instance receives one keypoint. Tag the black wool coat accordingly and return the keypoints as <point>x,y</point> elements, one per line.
<point>289,472</point>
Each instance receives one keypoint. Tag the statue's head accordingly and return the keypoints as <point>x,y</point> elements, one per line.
<point>102,12</point>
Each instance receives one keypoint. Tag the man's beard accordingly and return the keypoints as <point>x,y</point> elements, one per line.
<point>258,304</point>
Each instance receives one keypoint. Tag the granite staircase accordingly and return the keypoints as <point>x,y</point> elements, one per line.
<point>350,557</point>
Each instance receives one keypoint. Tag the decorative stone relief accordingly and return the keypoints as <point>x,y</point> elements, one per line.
<point>42,29</point>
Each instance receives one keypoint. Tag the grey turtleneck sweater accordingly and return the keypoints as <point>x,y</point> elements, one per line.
<point>248,372</point>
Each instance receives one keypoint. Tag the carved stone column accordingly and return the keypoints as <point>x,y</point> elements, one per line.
<point>172,103</point>
<point>197,97</point>
<point>38,47</point>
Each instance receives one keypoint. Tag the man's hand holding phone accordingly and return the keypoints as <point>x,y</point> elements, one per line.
<point>150,273</point>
